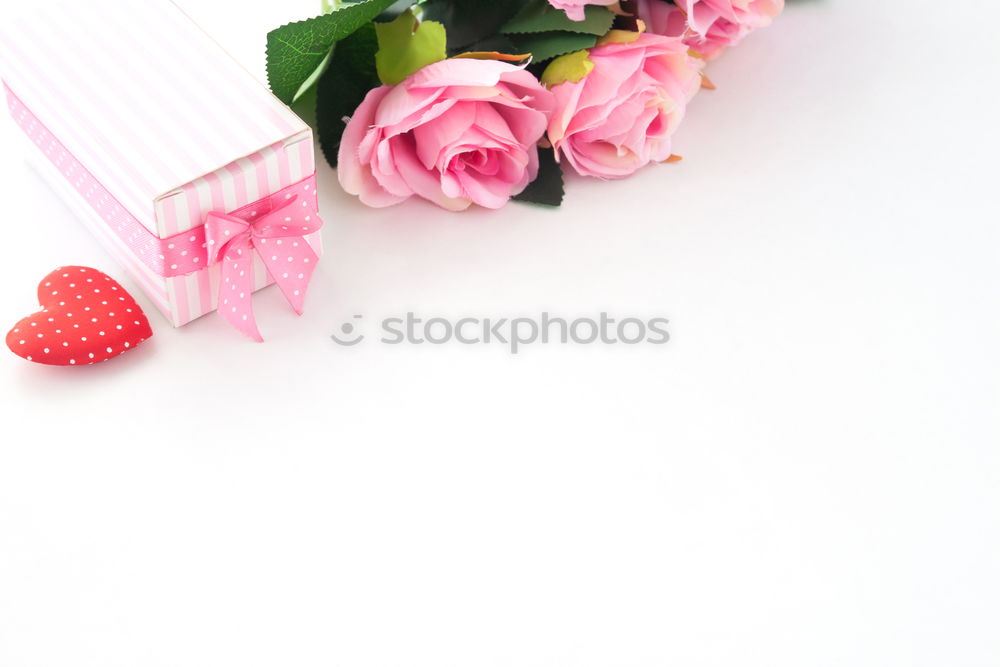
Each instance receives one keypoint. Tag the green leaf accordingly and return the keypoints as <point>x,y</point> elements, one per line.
<point>406,45</point>
<point>545,45</point>
<point>499,43</point>
<point>469,21</point>
<point>343,87</point>
<point>304,107</point>
<point>540,16</point>
<point>547,188</point>
<point>296,51</point>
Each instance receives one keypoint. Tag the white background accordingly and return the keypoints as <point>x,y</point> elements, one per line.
<point>806,475</point>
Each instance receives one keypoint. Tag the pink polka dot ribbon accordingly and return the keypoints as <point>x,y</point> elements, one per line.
<point>273,226</point>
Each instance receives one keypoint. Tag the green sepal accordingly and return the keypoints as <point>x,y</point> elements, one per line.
<point>569,67</point>
<point>406,45</point>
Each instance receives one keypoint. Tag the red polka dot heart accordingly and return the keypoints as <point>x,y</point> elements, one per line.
<point>86,317</point>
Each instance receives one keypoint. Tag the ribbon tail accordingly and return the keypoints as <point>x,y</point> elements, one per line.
<point>236,291</point>
<point>290,261</point>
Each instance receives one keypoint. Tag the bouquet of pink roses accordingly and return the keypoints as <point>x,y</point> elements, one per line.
<point>477,102</point>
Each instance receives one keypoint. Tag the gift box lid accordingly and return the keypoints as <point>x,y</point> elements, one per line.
<point>140,95</point>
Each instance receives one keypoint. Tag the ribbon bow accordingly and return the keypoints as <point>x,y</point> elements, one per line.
<point>275,227</point>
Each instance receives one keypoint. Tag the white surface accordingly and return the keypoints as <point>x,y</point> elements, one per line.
<point>806,475</point>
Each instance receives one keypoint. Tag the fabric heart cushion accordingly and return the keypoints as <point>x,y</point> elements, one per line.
<point>86,317</point>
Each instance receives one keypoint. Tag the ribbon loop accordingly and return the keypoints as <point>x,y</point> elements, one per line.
<point>288,220</point>
<point>275,227</point>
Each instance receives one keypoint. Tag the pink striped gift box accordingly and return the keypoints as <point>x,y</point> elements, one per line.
<point>145,125</point>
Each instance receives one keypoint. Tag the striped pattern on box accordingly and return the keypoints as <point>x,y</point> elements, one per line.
<point>155,112</point>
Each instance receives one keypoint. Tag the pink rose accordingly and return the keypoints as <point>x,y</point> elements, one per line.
<point>574,8</point>
<point>457,132</point>
<point>749,14</point>
<point>708,26</point>
<point>664,18</point>
<point>621,115</point>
